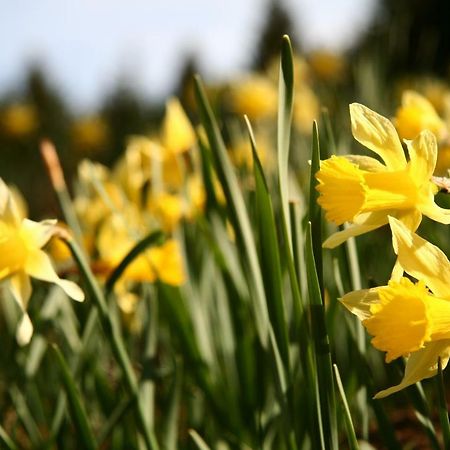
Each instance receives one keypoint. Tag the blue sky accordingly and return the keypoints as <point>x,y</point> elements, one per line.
<point>87,45</point>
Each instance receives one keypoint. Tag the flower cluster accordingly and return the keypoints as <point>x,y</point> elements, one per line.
<point>406,319</point>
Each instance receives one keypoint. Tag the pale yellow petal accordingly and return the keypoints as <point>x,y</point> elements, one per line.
<point>366,163</point>
<point>423,156</point>
<point>369,222</point>
<point>411,218</point>
<point>20,287</point>
<point>421,259</point>
<point>38,233</point>
<point>421,364</point>
<point>24,330</point>
<point>413,98</point>
<point>435,212</point>
<point>359,302</point>
<point>397,271</point>
<point>38,265</point>
<point>378,134</point>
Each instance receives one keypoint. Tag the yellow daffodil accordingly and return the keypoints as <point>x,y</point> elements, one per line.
<point>417,114</point>
<point>363,191</point>
<point>255,96</point>
<point>177,133</point>
<point>18,120</point>
<point>409,319</point>
<point>22,257</point>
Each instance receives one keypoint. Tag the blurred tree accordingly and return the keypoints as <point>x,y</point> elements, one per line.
<point>277,23</point>
<point>126,114</point>
<point>184,88</point>
<point>412,36</point>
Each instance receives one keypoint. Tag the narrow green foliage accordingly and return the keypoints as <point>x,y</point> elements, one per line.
<point>315,213</point>
<point>321,349</point>
<point>351,436</point>
<point>114,335</point>
<point>237,212</point>
<point>442,406</point>
<point>78,412</point>
<point>5,441</point>
<point>270,255</point>
<point>199,442</point>
<point>285,106</point>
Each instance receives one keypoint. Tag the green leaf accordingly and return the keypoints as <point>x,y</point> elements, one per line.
<point>199,442</point>
<point>315,213</point>
<point>352,441</point>
<point>78,411</point>
<point>6,441</point>
<point>285,107</point>
<point>237,212</point>
<point>270,255</point>
<point>322,349</point>
<point>442,405</point>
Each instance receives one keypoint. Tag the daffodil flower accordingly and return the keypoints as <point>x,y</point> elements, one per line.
<point>364,192</point>
<point>22,257</point>
<point>405,318</point>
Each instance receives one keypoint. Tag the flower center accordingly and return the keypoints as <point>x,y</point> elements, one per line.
<point>406,318</point>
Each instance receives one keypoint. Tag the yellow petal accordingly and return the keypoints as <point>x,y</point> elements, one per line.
<point>421,259</point>
<point>38,234</point>
<point>38,266</point>
<point>178,134</point>
<point>411,218</point>
<point>24,330</point>
<point>423,156</point>
<point>378,134</point>
<point>359,302</point>
<point>366,163</point>
<point>435,212</point>
<point>421,364</point>
<point>21,288</point>
<point>363,224</point>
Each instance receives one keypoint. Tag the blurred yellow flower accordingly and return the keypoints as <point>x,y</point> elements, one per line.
<point>326,65</point>
<point>363,191</point>
<point>22,257</point>
<point>409,319</point>
<point>116,239</point>
<point>417,114</point>
<point>90,134</point>
<point>18,120</point>
<point>168,209</point>
<point>254,95</point>
<point>177,133</point>
<point>306,109</point>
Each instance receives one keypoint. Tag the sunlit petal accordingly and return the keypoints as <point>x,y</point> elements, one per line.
<point>422,260</point>
<point>24,330</point>
<point>378,134</point>
<point>359,302</point>
<point>21,288</point>
<point>38,265</point>
<point>421,364</point>
<point>423,155</point>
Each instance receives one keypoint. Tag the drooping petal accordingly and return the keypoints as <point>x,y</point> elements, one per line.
<point>24,330</point>
<point>38,234</point>
<point>411,218</point>
<point>435,212</point>
<point>20,287</point>
<point>423,156</point>
<point>421,259</point>
<point>359,302</point>
<point>38,265</point>
<point>421,364</point>
<point>378,134</point>
<point>363,224</point>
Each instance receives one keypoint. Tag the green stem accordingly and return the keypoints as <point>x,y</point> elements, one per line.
<point>112,331</point>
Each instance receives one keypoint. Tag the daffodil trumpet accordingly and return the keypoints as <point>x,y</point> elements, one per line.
<point>363,191</point>
<point>409,319</point>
